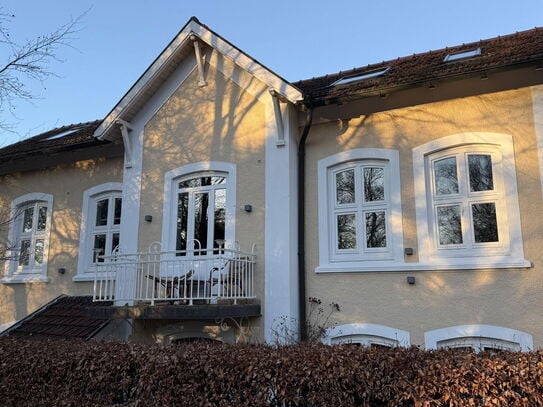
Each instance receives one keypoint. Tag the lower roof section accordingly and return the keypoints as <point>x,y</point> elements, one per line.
<point>63,317</point>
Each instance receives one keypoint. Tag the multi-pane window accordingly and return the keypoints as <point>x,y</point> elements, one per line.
<point>201,214</point>
<point>106,225</point>
<point>467,198</point>
<point>32,228</point>
<point>360,213</point>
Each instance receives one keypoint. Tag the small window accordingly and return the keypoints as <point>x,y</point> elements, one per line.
<point>101,228</point>
<point>479,338</point>
<point>370,335</point>
<point>460,56</point>
<point>360,77</point>
<point>28,235</point>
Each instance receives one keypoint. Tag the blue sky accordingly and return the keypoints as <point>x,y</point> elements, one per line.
<point>118,39</point>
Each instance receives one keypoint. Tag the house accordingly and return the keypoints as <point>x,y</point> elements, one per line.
<point>216,197</point>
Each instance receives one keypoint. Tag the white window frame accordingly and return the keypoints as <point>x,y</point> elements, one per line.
<point>509,252</point>
<point>86,269</point>
<point>478,337</point>
<point>172,178</point>
<point>374,259</point>
<point>33,273</point>
<point>366,335</point>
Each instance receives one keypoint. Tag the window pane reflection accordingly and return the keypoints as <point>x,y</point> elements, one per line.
<point>446,179</point>
<point>24,254</point>
<point>201,204</point>
<point>42,218</point>
<point>449,225</point>
<point>376,229</point>
<point>38,251</point>
<point>117,211</point>
<point>99,248</point>
<point>374,184</point>
<point>485,225</point>
<point>182,218</point>
<point>346,227</point>
<point>480,172</point>
<point>101,212</point>
<point>202,181</point>
<point>220,218</point>
<point>345,189</point>
<point>28,218</point>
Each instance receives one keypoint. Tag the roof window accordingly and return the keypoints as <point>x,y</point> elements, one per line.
<point>359,77</point>
<point>458,56</point>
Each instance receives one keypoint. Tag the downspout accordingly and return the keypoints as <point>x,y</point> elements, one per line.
<point>301,223</point>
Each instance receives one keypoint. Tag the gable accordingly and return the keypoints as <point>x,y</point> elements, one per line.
<point>193,39</point>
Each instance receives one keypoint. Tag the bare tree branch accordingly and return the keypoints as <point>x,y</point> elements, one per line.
<point>28,61</point>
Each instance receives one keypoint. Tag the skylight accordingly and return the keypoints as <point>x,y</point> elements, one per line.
<point>360,77</point>
<point>58,135</point>
<point>462,55</point>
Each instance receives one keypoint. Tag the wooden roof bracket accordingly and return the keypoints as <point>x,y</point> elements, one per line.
<point>125,127</point>
<point>199,61</point>
<point>278,119</point>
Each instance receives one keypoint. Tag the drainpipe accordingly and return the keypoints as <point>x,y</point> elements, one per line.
<point>301,223</point>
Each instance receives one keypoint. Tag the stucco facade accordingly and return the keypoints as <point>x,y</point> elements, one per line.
<point>355,188</point>
<point>502,297</point>
<point>66,184</point>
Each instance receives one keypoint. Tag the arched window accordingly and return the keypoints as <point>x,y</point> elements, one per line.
<point>201,213</point>
<point>199,208</point>
<point>366,335</point>
<point>479,338</point>
<point>467,202</point>
<point>28,236</point>
<point>360,224</point>
<point>100,227</point>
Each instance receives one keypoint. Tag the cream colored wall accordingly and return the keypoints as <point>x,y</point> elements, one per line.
<point>511,298</point>
<point>218,122</point>
<point>66,184</point>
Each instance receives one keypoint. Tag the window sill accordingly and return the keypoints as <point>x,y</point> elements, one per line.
<point>436,265</point>
<point>24,278</point>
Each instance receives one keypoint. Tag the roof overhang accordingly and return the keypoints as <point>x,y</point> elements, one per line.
<point>180,48</point>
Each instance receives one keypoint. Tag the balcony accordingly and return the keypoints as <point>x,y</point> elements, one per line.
<point>186,277</point>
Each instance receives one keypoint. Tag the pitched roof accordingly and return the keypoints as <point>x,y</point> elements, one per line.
<point>43,150</point>
<point>64,317</point>
<point>508,51</point>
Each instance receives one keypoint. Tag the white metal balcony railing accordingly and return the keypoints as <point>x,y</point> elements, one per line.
<point>176,276</point>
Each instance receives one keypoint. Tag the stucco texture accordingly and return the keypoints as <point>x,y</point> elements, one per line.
<point>66,183</point>
<point>217,122</point>
<point>508,297</point>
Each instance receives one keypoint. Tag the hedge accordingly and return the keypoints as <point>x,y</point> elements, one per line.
<point>76,373</point>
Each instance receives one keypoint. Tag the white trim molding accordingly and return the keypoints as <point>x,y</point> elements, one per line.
<point>508,252</point>
<point>281,294</point>
<point>367,335</point>
<point>85,270</point>
<point>168,57</point>
<point>389,257</point>
<point>478,337</point>
<point>170,207</point>
<point>34,274</point>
